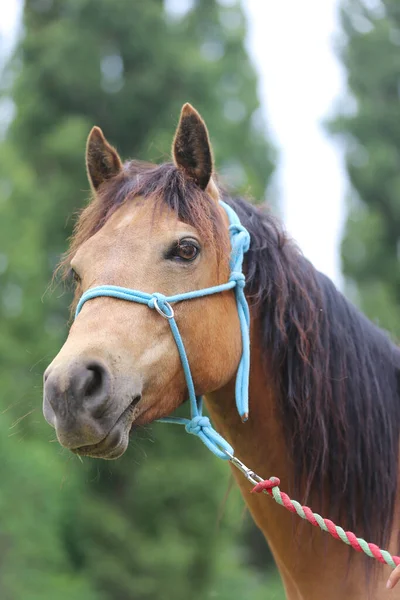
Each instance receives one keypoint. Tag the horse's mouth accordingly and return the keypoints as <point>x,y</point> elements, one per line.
<point>115,443</point>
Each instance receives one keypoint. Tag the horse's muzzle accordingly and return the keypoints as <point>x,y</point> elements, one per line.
<point>79,403</point>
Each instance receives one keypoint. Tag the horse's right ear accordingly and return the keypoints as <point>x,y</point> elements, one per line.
<point>191,148</point>
<point>102,160</point>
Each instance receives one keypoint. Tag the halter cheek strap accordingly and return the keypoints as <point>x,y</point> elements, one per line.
<point>198,424</point>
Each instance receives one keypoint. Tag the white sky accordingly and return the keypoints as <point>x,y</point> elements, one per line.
<point>299,79</point>
<point>9,14</point>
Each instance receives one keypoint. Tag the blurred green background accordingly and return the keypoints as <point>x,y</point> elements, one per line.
<point>156,524</point>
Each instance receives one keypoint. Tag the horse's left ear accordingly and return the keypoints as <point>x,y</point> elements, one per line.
<point>191,148</point>
<point>102,160</point>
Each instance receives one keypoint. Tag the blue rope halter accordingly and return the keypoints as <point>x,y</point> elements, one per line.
<point>198,424</point>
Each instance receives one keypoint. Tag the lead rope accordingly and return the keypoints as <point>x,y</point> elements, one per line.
<point>271,487</point>
<point>199,424</point>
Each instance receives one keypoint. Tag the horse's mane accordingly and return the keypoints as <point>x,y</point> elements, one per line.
<point>337,376</point>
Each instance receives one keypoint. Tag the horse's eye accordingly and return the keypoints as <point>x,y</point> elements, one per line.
<point>75,276</point>
<point>186,250</point>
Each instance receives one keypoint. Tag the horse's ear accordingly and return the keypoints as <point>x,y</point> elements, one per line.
<point>102,160</point>
<point>191,147</point>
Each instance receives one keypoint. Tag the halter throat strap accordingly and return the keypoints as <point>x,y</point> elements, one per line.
<point>198,424</point>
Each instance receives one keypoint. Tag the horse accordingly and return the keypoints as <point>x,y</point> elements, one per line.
<point>324,386</point>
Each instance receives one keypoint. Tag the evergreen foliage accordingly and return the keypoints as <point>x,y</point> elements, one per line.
<point>369,124</point>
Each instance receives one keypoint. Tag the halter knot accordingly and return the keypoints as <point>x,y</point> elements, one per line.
<point>239,278</point>
<point>197,424</point>
<point>161,305</point>
<point>240,236</point>
<point>161,299</point>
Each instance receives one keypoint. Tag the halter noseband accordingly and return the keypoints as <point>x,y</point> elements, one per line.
<point>198,424</point>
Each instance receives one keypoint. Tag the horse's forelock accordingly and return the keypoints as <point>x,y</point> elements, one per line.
<point>168,186</point>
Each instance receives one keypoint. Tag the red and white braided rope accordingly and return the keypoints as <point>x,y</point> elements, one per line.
<point>271,487</point>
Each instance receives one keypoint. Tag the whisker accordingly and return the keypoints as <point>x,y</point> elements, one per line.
<point>21,418</point>
<point>46,357</point>
<point>10,406</point>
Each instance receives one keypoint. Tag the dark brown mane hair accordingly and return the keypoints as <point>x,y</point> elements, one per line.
<point>338,381</point>
<point>336,375</point>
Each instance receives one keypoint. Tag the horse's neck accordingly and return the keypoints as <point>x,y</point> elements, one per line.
<point>312,565</point>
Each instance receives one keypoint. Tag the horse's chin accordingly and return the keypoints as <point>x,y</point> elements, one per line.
<point>110,448</point>
<point>115,443</point>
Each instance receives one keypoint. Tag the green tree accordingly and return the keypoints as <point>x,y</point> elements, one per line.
<point>145,526</point>
<point>369,123</point>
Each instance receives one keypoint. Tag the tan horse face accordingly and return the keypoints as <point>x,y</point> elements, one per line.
<point>120,366</point>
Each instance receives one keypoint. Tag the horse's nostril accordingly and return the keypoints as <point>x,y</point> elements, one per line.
<point>136,401</point>
<point>95,378</point>
<point>92,386</point>
<point>77,399</point>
